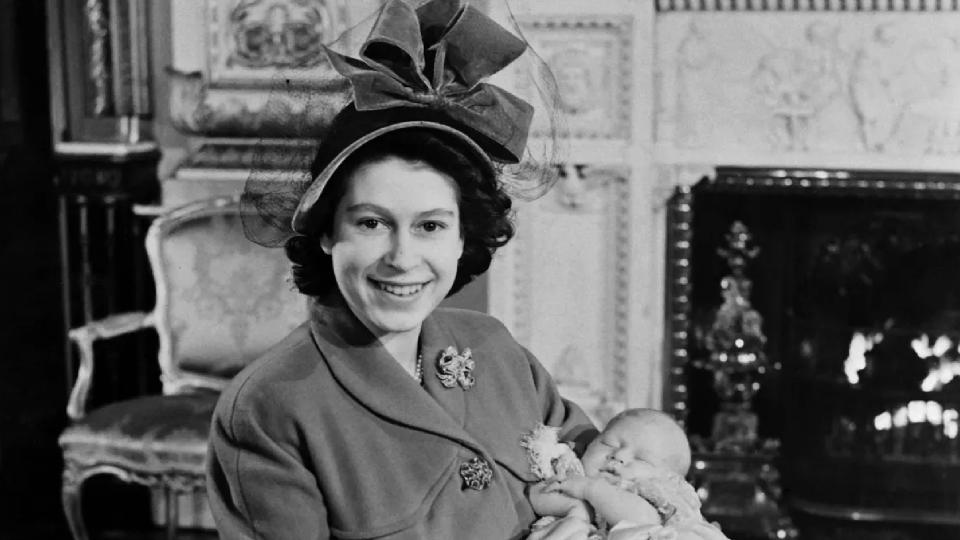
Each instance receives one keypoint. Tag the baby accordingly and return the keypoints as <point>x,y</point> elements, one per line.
<point>631,485</point>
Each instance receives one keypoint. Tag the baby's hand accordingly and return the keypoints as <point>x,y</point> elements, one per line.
<point>547,502</point>
<point>577,487</point>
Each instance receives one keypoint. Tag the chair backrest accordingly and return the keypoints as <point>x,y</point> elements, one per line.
<point>221,299</point>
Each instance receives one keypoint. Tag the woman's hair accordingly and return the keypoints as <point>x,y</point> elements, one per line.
<point>485,218</point>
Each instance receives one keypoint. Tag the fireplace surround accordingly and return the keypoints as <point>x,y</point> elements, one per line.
<point>856,276</point>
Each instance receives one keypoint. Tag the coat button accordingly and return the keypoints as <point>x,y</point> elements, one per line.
<point>476,473</point>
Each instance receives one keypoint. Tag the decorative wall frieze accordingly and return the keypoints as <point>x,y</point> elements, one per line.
<point>590,58</point>
<point>808,5</point>
<point>835,87</point>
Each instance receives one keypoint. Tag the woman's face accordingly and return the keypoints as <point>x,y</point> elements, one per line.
<point>395,243</point>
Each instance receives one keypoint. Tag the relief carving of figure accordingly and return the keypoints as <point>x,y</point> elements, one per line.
<point>939,110</point>
<point>694,55</point>
<point>578,80</point>
<point>796,84</point>
<point>279,33</point>
<point>878,88</point>
<point>907,95</point>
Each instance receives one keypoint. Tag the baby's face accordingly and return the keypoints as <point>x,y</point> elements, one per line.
<point>628,449</point>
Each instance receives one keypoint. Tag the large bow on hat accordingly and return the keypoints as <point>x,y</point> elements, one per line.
<point>436,56</point>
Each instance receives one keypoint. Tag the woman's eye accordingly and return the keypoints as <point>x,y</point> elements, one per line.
<point>433,226</point>
<point>369,223</point>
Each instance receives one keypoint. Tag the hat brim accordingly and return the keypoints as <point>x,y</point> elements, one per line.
<point>300,221</point>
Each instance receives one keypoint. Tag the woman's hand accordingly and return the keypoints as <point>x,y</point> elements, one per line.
<point>568,528</point>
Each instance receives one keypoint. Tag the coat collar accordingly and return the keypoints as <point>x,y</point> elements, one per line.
<point>360,363</point>
<point>434,338</point>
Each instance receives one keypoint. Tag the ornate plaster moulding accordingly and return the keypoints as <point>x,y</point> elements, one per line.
<point>808,5</point>
<point>845,88</point>
<point>248,42</point>
<point>590,58</point>
<point>196,108</point>
<point>585,193</point>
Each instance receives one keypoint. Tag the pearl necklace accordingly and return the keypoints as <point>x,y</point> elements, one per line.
<point>418,372</point>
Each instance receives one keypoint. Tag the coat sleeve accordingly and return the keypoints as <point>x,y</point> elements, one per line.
<point>574,424</point>
<point>257,485</point>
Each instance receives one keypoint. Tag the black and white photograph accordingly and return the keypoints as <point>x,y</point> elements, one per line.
<point>480,269</point>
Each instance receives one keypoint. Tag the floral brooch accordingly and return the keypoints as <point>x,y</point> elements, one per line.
<point>455,368</point>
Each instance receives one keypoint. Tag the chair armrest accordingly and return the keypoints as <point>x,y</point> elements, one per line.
<point>84,336</point>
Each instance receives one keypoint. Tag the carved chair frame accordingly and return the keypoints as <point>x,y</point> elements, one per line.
<point>76,468</point>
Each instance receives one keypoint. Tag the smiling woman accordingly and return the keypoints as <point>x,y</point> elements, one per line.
<point>387,229</point>
<point>385,415</point>
<point>395,243</point>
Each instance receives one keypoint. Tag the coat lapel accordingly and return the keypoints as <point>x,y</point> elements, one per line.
<point>367,371</point>
<point>434,338</point>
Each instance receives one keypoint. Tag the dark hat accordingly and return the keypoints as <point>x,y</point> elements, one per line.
<point>424,68</point>
<point>352,129</point>
<point>420,68</point>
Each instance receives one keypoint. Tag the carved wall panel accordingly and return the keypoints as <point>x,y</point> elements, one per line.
<point>571,258</point>
<point>248,40</point>
<point>811,83</point>
<point>590,57</point>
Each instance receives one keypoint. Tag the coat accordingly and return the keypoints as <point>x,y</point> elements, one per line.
<point>327,436</point>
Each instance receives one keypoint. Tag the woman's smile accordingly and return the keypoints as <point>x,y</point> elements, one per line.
<point>399,290</point>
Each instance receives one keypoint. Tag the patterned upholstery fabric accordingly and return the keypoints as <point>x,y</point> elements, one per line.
<point>229,299</point>
<point>152,434</point>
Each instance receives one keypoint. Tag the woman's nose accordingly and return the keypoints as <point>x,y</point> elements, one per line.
<point>402,253</point>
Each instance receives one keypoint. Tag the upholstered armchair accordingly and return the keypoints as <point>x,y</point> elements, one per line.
<point>220,302</point>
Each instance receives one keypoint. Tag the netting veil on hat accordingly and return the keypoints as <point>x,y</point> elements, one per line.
<point>419,67</point>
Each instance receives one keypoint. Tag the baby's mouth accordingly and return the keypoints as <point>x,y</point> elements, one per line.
<point>612,466</point>
<point>612,477</point>
<point>610,470</point>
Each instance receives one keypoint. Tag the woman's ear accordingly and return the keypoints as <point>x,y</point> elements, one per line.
<point>326,244</point>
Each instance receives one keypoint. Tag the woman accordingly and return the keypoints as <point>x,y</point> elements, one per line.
<point>386,416</point>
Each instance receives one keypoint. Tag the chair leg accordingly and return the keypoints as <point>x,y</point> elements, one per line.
<point>73,510</point>
<point>173,512</point>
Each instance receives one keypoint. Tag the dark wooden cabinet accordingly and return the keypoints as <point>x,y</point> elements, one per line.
<point>104,266</point>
